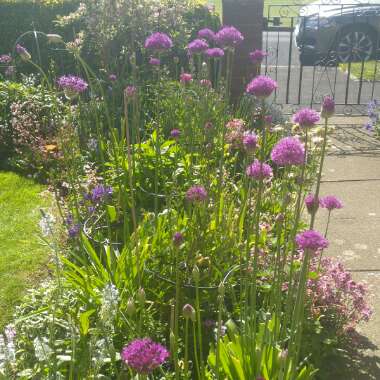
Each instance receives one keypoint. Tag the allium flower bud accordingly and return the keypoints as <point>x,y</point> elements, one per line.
<point>23,53</point>
<point>328,107</point>
<point>131,308</point>
<point>196,273</point>
<point>141,296</point>
<point>177,238</point>
<point>221,289</point>
<point>189,312</point>
<point>312,203</point>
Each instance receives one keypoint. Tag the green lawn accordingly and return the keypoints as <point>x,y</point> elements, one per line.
<point>21,253</point>
<point>371,71</point>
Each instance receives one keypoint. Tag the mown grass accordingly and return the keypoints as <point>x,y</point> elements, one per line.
<point>21,252</point>
<point>371,70</point>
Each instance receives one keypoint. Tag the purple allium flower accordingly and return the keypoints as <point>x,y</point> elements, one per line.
<point>158,41</point>
<point>257,56</point>
<point>229,36</point>
<point>112,77</point>
<point>261,86</point>
<point>207,34</point>
<point>311,240</point>
<point>130,91</point>
<point>250,142</point>
<point>205,83</point>
<point>74,230</point>
<point>5,58</point>
<point>288,151</point>
<point>328,107</point>
<point>214,53</point>
<point>154,61</point>
<point>186,78</point>
<point>312,203</point>
<point>197,46</point>
<point>177,238</point>
<point>23,53</point>
<point>331,203</point>
<point>175,134</point>
<point>101,192</point>
<point>306,117</point>
<point>259,170</point>
<point>196,194</point>
<point>72,85</point>
<point>144,355</point>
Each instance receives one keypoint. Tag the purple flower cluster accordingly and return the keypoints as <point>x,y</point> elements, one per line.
<point>330,202</point>
<point>158,41</point>
<point>112,77</point>
<point>261,86</point>
<point>250,142</point>
<point>229,36</point>
<point>335,295</point>
<point>311,240</point>
<point>312,203</point>
<point>197,46</point>
<point>257,56</point>
<point>175,134</point>
<point>306,117</point>
<point>177,238</point>
<point>5,58</point>
<point>186,78</point>
<point>328,107</point>
<point>74,230</point>
<point>130,91</point>
<point>214,53</point>
<point>207,34</point>
<point>144,355</point>
<point>196,194</point>
<point>100,192</point>
<point>72,83</point>
<point>259,170</point>
<point>288,151</point>
<point>154,61</point>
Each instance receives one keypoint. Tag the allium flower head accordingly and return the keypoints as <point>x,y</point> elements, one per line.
<point>5,58</point>
<point>197,46</point>
<point>250,142</point>
<point>196,194</point>
<point>205,83</point>
<point>229,36</point>
<point>186,78</point>
<point>311,240</point>
<point>112,77</point>
<point>257,56</point>
<point>72,85</point>
<point>144,355</point>
<point>175,133</point>
<point>328,107</point>
<point>214,53</point>
<point>189,312</point>
<point>288,151</point>
<point>261,86</point>
<point>177,238</point>
<point>23,53</point>
<point>259,170</point>
<point>312,203</point>
<point>158,41</point>
<point>154,61</point>
<point>331,203</point>
<point>207,34</point>
<point>130,91</point>
<point>306,117</point>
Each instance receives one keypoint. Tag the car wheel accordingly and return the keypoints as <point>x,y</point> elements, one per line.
<point>355,45</point>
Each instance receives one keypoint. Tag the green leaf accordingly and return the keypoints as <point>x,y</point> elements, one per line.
<point>85,321</point>
<point>112,214</point>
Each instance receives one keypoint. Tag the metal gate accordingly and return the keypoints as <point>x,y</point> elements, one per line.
<point>326,49</point>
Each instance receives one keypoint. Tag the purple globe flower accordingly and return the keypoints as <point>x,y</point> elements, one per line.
<point>154,61</point>
<point>259,170</point>
<point>261,86</point>
<point>197,46</point>
<point>186,78</point>
<point>207,34</point>
<point>306,117</point>
<point>214,53</point>
<point>312,203</point>
<point>257,56</point>
<point>288,151</point>
<point>112,77</point>
<point>229,36</point>
<point>5,58</point>
<point>100,192</point>
<point>72,85</point>
<point>23,53</point>
<point>130,91</point>
<point>175,134</point>
<point>328,107</point>
<point>177,238</point>
<point>331,203</point>
<point>144,355</point>
<point>205,83</point>
<point>311,240</point>
<point>196,194</point>
<point>250,142</point>
<point>158,41</point>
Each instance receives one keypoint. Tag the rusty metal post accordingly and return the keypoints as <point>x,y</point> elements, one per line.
<point>247,16</point>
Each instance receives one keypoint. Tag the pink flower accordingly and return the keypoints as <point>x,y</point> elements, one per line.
<point>259,170</point>
<point>331,203</point>
<point>158,41</point>
<point>261,86</point>
<point>306,117</point>
<point>312,203</point>
<point>288,151</point>
<point>311,240</point>
<point>257,56</point>
<point>197,46</point>
<point>154,61</point>
<point>229,36</point>
<point>207,34</point>
<point>196,194</point>
<point>186,78</point>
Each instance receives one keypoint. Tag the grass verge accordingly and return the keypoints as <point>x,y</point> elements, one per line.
<point>371,70</point>
<point>21,252</point>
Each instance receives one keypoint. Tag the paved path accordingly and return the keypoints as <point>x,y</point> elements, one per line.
<point>352,172</point>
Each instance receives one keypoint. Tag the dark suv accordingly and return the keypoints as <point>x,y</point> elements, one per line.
<point>338,31</point>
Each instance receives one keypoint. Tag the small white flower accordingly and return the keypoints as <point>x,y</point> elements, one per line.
<point>46,224</point>
<point>42,351</point>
